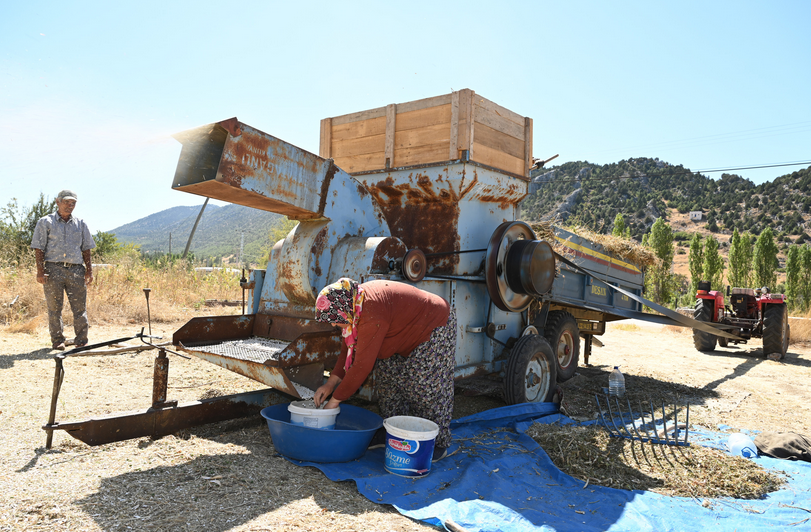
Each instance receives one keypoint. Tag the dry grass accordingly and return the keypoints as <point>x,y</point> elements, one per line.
<point>800,329</point>
<point>591,455</point>
<point>116,294</point>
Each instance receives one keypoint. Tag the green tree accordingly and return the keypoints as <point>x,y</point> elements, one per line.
<point>713,263</point>
<point>620,229</point>
<point>740,260</point>
<point>764,259</point>
<point>17,225</point>
<point>793,271</point>
<point>659,279</point>
<point>805,276</point>
<point>280,230</point>
<point>107,245</point>
<point>696,262</point>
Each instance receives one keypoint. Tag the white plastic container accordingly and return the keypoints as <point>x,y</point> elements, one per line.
<point>616,383</point>
<point>409,445</point>
<point>307,414</point>
<point>742,445</point>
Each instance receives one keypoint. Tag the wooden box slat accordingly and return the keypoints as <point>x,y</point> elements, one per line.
<point>430,131</point>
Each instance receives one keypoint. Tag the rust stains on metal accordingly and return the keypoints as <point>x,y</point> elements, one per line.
<point>319,245</point>
<point>214,328</point>
<point>362,192</point>
<point>310,348</point>
<point>160,379</point>
<point>232,126</point>
<point>428,219</point>
<point>288,276</point>
<point>287,328</point>
<point>388,250</point>
<point>322,201</point>
<point>165,421</point>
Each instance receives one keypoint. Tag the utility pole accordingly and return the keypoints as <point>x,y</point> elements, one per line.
<point>193,229</point>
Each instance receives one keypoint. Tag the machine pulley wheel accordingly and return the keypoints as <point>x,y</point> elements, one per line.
<point>517,267</point>
<point>414,265</point>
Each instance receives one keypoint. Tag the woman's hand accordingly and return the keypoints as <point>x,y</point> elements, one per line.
<point>332,403</point>
<point>325,390</point>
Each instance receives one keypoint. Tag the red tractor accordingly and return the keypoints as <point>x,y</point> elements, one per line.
<point>751,313</point>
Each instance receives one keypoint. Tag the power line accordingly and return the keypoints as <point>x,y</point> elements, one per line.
<point>718,138</point>
<point>673,174</point>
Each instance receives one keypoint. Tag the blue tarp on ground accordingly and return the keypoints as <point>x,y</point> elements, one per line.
<point>498,480</point>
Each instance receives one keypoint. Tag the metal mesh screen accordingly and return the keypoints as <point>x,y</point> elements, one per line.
<point>253,349</point>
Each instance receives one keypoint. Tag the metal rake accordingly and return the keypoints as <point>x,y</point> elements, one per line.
<point>666,430</point>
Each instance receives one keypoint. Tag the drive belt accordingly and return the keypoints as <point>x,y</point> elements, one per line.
<point>675,316</point>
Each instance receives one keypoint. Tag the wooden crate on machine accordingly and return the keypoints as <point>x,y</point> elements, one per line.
<point>457,126</point>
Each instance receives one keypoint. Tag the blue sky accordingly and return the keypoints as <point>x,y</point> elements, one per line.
<point>90,92</point>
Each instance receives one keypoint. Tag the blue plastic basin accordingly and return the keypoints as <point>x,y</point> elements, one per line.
<point>354,428</point>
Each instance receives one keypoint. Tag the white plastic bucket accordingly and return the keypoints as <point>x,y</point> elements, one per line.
<point>742,445</point>
<point>409,445</point>
<point>305,413</point>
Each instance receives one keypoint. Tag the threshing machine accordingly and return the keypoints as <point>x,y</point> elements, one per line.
<point>426,192</point>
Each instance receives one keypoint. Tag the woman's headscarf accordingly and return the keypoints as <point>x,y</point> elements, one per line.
<point>342,302</point>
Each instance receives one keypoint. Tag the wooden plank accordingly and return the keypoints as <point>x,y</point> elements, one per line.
<point>424,117</point>
<point>362,163</point>
<point>359,146</point>
<point>391,116</point>
<point>361,128</point>
<point>416,105</point>
<point>499,123</point>
<point>465,122</point>
<point>499,141</point>
<point>453,152</point>
<point>498,159</point>
<point>325,145</point>
<point>499,110</point>
<point>527,144</point>
<point>426,136</point>
<point>434,153</point>
<point>360,115</point>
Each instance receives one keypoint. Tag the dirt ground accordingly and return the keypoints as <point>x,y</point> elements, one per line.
<point>227,476</point>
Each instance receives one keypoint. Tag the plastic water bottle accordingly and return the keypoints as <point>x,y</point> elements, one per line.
<point>616,383</point>
<point>742,445</point>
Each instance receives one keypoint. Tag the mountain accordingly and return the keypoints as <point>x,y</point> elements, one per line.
<point>219,232</point>
<point>643,189</point>
<point>578,193</point>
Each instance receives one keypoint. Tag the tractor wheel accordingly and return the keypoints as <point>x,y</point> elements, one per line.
<point>723,342</point>
<point>775,330</point>
<point>564,337</point>
<point>531,371</point>
<point>703,341</point>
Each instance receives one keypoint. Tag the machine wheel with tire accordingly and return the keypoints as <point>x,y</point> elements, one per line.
<point>531,373</point>
<point>563,335</point>
<point>703,341</point>
<point>775,330</point>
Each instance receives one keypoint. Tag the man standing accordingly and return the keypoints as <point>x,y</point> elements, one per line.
<point>62,243</point>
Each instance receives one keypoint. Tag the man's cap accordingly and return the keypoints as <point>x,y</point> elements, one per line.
<point>67,194</point>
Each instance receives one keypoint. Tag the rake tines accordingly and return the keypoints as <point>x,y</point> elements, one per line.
<point>664,430</point>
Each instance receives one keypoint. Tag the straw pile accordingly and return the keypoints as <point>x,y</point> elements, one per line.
<point>591,455</point>
<point>623,248</point>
